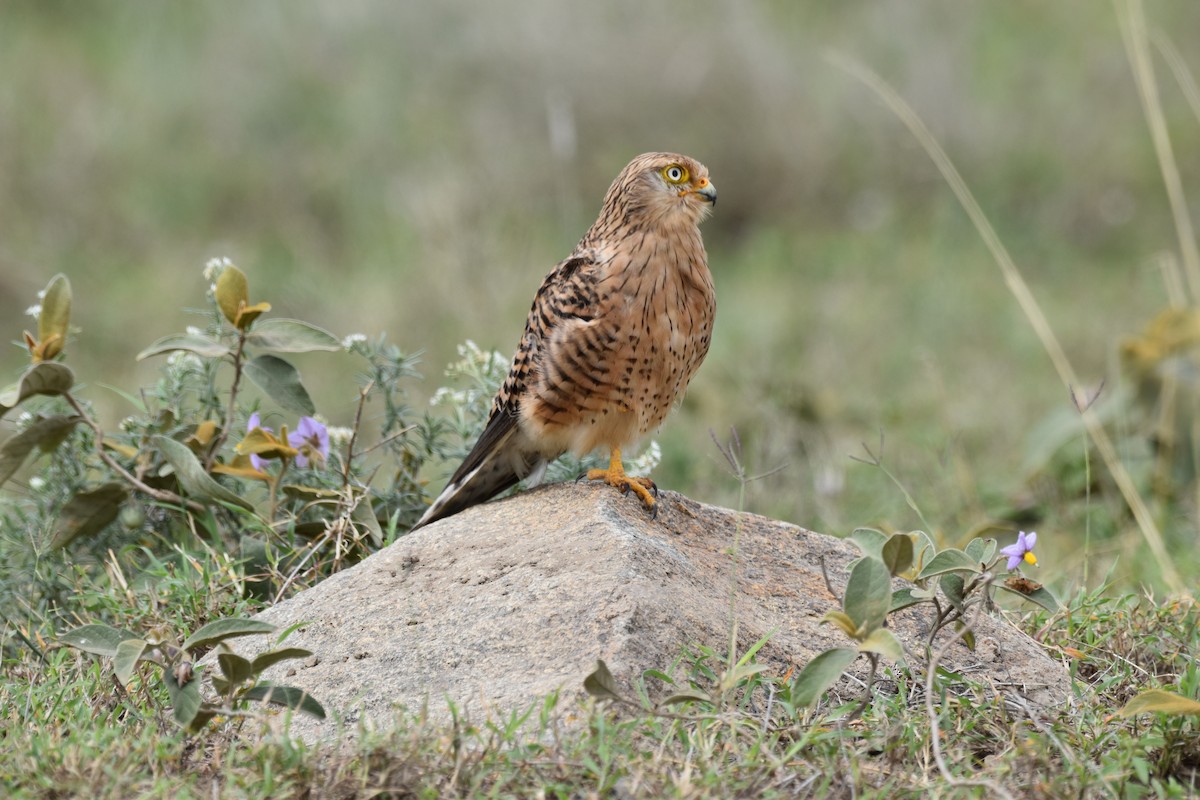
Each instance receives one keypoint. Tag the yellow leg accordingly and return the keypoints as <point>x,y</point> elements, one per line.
<point>615,476</point>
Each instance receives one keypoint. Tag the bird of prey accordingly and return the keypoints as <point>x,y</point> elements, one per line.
<point>615,334</point>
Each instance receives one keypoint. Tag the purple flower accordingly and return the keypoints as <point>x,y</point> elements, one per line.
<point>256,461</point>
<point>311,439</point>
<point>1021,551</point>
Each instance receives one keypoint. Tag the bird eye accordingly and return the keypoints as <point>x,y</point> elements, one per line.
<point>675,174</point>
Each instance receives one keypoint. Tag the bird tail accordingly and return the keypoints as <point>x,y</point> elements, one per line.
<point>495,463</point>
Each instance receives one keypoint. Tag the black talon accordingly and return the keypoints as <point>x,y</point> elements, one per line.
<point>582,475</point>
<point>654,511</point>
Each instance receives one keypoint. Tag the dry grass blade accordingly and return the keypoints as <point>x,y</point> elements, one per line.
<point>1133,32</point>
<point>1029,305</point>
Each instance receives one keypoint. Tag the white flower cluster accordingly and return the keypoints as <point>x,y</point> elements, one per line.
<point>645,463</point>
<point>350,341</point>
<point>214,266</point>
<point>339,436</point>
<point>484,369</point>
<point>447,396</point>
<point>34,311</point>
<point>183,360</point>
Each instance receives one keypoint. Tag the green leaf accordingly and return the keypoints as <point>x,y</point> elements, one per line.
<point>868,594</point>
<point>235,668</point>
<point>952,585</point>
<point>981,549</point>
<point>232,292</point>
<point>125,660</point>
<point>821,673</point>
<point>46,377</point>
<point>287,696</point>
<point>885,643</point>
<point>185,699</point>
<point>303,493</point>
<point>221,629</point>
<point>949,560</point>
<point>1041,596</point>
<point>923,548</point>
<point>897,553</point>
<point>600,683</point>
<point>45,432</point>
<point>55,317</point>
<point>88,512</point>
<point>191,475</point>
<point>291,336</point>
<point>200,345</point>
<point>364,513</point>
<point>968,635</point>
<point>281,382</point>
<point>870,541</point>
<point>102,640</point>
<point>272,657</point>
<point>843,621</point>
<point>1161,701</point>
<point>903,598</point>
<point>204,716</point>
<point>687,696</point>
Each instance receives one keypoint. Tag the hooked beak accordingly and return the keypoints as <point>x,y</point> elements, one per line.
<point>708,192</point>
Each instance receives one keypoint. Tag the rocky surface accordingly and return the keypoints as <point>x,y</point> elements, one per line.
<point>506,602</point>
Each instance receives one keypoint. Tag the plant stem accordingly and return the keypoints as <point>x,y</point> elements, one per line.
<point>115,466</point>
<point>231,407</point>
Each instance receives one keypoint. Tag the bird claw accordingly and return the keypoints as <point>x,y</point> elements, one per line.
<point>645,488</point>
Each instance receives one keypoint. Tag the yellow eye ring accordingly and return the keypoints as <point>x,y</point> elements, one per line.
<point>675,173</point>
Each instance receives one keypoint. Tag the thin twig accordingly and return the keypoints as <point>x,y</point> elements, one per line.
<point>231,407</point>
<point>935,732</point>
<point>362,401</point>
<point>158,494</point>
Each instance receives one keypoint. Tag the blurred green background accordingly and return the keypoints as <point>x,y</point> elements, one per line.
<point>416,169</point>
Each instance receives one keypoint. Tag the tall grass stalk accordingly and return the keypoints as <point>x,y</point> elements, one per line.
<point>1137,46</point>
<point>1029,306</point>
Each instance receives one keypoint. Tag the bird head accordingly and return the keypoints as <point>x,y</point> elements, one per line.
<point>665,187</point>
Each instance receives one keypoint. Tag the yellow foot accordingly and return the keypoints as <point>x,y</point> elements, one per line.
<point>615,476</point>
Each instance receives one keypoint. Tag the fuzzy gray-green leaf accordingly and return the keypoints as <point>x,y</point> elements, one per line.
<point>288,696</point>
<point>949,560</point>
<point>43,432</point>
<point>868,594</point>
<point>47,377</point>
<point>189,343</point>
<point>600,683</point>
<point>87,512</point>
<point>291,336</point>
<point>870,541</point>
<point>235,668</point>
<point>821,673</point>
<point>191,475</point>
<point>126,658</point>
<point>281,382</point>
<point>272,657</point>
<point>897,553</point>
<point>101,640</point>
<point>221,629</point>
<point>885,643</point>
<point>185,699</point>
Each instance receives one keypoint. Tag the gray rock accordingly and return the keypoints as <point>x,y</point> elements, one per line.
<point>509,601</point>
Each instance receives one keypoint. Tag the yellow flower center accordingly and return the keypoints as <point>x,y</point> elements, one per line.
<point>1030,557</point>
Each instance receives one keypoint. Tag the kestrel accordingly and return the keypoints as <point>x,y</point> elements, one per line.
<point>615,334</point>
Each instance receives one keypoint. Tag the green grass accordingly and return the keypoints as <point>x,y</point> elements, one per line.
<point>402,169</point>
<point>71,733</point>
